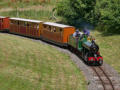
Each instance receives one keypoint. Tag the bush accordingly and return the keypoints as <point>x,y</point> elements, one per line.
<point>104,14</point>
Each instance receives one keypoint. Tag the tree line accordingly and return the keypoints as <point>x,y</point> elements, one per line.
<point>103,14</point>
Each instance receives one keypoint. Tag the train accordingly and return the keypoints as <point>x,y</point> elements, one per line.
<point>55,33</point>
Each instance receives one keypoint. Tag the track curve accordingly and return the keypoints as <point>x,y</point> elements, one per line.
<point>104,78</point>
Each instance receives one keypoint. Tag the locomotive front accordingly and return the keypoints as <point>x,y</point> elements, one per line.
<point>92,55</point>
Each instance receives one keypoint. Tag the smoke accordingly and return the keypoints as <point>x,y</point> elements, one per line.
<point>79,23</point>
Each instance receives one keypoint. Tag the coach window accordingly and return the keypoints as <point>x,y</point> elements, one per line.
<point>37,26</point>
<point>60,29</point>
<point>2,19</point>
<point>17,22</point>
<point>54,29</point>
<point>20,23</point>
<point>11,22</point>
<point>34,25</point>
<point>49,28</point>
<point>28,24</point>
<point>45,26</point>
<point>14,22</point>
<point>25,24</point>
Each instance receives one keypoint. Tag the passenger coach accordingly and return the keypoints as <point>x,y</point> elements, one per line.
<point>26,27</point>
<point>4,23</point>
<point>56,33</point>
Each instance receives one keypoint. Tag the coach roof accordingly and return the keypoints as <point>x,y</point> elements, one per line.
<point>2,17</point>
<point>27,20</point>
<point>57,25</point>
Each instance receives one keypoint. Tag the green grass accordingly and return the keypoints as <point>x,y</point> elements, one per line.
<point>31,14</point>
<point>26,3</point>
<point>31,10</point>
<point>43,15</point>
<point>29,65</point>
<point>109,48</point>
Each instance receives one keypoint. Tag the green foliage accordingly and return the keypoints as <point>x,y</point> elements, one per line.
<point>104,14</point>
<point>107,14</point>
<point>76,11</point>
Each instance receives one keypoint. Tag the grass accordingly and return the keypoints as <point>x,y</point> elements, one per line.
<point>31,10</point>
<point>109,48</point>
<point>29,65</point>
<point>26,3</point>
<point>43,15</point>
<point>30,14</point>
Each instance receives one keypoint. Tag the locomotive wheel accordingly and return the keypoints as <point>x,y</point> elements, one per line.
<point>100,62</point>
<point>86,58</point>
<point>70,48</point>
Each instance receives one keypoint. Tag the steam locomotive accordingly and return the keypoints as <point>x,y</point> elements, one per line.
<point>86,48</point>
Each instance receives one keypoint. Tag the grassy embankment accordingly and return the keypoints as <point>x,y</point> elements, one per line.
<point>29,65</point>
<point>32,9</point>
<point>109,48</point>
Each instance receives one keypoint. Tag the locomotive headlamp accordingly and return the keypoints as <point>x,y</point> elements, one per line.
<point>92,59</point>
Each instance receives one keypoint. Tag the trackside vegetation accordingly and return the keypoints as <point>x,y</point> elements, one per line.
<point>31,9</point>
<point>29,65</point>
<point>109,47</point>
<point>104,14</point>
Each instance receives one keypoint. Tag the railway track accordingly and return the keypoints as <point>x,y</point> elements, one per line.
<point>103,78</point>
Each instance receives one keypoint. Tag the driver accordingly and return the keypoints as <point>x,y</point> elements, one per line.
<point>86,32</point>
<point>77,33</point>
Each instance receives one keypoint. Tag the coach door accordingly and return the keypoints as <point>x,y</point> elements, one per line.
<point>1,23</point>
<point>57,32</point>
<point>61,34</point>
<point>28,29</point>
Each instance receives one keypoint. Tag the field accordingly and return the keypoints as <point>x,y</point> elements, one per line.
<point>30,65</point>
<point>25,64</point>
<point>34,9</point>
<point>109,47</point>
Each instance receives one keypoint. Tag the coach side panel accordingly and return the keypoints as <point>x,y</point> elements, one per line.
<point>4,23</point>
<point>67,32</point>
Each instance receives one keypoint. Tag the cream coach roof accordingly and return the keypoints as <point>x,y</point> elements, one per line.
<point>57,25</point>
<point>2,17</point>
<point>27,20</point>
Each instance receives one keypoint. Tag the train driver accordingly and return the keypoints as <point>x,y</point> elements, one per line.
<point>86,32</point>
<point>77,33</point>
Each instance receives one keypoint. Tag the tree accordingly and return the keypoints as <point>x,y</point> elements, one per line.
<point>108,13</point>
<point>101,13</point>
<point>76,11</point>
